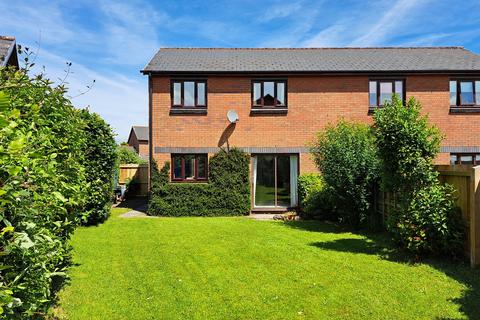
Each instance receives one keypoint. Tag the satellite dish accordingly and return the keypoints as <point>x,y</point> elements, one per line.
<point>232,116</point>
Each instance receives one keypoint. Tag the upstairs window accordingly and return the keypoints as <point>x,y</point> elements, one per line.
<point>465,158</point>
<point>381,91</point>
<point>465,92</point>
<point>189,93</point>
<point>189,167</point>
<point>269,94</point>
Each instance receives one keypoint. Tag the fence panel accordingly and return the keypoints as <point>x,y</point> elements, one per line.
<point>136,172</point>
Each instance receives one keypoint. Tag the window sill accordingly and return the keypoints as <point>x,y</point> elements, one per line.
<point>371,110</point>
<point>189,181</point>
<point>268,111</point>
<point>188,111</point>
<point>465,109</point>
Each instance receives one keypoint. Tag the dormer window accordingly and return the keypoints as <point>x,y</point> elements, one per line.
<point>269,94</point>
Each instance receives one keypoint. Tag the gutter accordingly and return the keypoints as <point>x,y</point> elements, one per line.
<point>281,73</point>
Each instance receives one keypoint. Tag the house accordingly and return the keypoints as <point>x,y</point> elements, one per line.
<point>138,140</point>
<point>8,52</point>
<point>284,96</point>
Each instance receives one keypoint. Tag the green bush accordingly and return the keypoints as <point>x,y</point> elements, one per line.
<point>425,219</point>
<point>313,196</point>
<point>429,222</point>
<point>407,145</point>
<point>126,155</point>
<point>42,192</point>
<point>346,156</point>
<point>100,161</point>
<point>227,192</point>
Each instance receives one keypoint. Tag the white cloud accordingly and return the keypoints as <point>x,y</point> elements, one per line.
<point>393,20</point>
<point>279,11</point>
<point>130,32</point>
<point>333,36</point>
<point>124,40</point>
<point>121,100</point>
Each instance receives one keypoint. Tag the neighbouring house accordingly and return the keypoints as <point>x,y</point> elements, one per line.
<point>8,52</point>
<point>138,140</point>
<point>284,96</point>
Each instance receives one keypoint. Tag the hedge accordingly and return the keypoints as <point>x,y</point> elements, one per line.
<point>227,192</point>
<point>44,187</point>
<point>100,159</point>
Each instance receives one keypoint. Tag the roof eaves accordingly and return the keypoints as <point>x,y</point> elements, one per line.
<point>303,72</point>
<point>10,50</point>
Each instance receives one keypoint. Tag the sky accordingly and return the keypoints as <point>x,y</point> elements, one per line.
<point>111,41</point>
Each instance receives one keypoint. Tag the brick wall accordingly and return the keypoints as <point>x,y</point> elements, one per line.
<point>313,102</point>
<point>140,146</point>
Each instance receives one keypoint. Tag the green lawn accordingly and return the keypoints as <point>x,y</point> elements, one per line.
<point>237,268</point>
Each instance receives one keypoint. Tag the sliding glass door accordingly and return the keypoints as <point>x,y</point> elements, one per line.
<point>275,180</point>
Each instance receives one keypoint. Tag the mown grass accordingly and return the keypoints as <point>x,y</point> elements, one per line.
<point>237,268</point>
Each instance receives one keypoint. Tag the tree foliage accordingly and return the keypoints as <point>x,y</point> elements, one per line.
<point>346,156</point>
<point>407,145</point>
<point>126,155</point>
<point>425,219</point>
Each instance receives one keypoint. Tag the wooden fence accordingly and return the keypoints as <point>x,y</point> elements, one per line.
<point>466,180</point>
<point>138,174</point>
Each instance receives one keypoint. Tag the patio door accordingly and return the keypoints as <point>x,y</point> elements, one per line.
<point>275,180</point>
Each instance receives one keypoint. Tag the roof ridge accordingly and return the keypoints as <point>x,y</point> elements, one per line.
<point>309,48</point>
<point>9,38</point>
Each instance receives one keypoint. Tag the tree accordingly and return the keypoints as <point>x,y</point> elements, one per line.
<point>425,219</point>
<point>127,155</point>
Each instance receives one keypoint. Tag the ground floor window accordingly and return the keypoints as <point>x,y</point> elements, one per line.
<point>465,158</point>
<point>189,167</point>
<point>275,180</point>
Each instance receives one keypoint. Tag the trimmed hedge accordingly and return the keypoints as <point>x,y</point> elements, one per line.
<point>226,194</point>
<point>42,191</point>
<point>100,165</point>
<point>46,179</point>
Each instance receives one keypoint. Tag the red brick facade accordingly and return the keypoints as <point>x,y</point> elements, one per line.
<point>140,146</point>
<point>313,102</point>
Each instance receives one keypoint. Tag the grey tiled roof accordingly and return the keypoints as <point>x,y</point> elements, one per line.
<point>141,132</point>
<point>244,60</point>
<point>6,49</point>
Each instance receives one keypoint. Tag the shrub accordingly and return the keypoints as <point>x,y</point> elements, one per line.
<point>429,222</point>
<point>126,155</point>
<point>313,196</point>
<point>99,161</point>
<point>425,219</point>
<point>227,192</point>
<point>42,191</point>
<point>407,146</point>
<point>346,156</point>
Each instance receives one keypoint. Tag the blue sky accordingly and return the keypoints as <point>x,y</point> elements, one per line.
<point>110,41</point>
